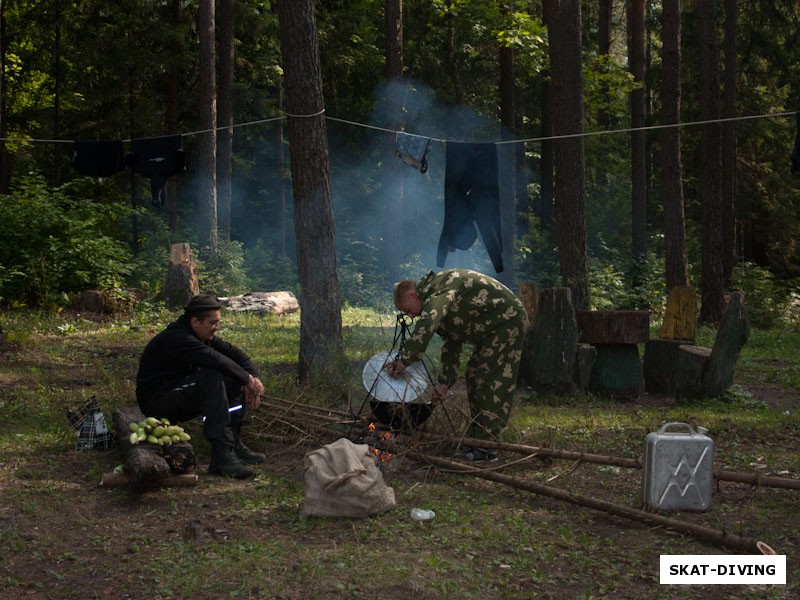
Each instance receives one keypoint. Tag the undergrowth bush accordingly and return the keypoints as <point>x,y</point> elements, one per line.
<point>57,241</point>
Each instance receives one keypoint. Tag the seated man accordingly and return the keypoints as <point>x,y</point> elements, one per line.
<point>185,371</point>
<point>465,306</point>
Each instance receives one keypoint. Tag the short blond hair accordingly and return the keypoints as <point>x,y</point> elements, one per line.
<point>401,288</point>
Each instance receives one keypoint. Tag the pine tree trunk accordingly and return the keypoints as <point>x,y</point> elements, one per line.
<point>710,166</point>
<point>320,304</point>
<point>636,58</point>
<point>207,153</point>
<point>676,262</point>
<point>563,19</point>
<point>226,23</point>
<point>729,142</point>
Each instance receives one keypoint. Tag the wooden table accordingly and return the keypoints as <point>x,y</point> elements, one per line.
<point>617,369</point>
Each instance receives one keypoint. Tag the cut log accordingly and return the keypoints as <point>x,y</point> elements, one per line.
<point>584,362</point>
<point>149,466</point>
<point>680,315</point>
<point>660,365</point>
<point>708,372</point>
<point>529,296</point>
<point>617,371</point>
<point>613,326</point>
<point>548,357</point>
<point>275,303</point>
<point>182,282</point>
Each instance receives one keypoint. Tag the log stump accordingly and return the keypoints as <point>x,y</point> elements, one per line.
<point>182,283</point>
<point>148,466</point>
<point>617,369</point>
<point>708,372</point>
<point>660,365</point>
<point>548,357</point>
<point>680,315</point>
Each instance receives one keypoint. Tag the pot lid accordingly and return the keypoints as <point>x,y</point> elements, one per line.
<point>385,388</point>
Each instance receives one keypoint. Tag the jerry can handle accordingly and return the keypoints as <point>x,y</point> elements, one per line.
<point>665,426</point>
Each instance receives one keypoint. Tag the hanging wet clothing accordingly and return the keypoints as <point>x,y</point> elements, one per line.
<point>159,159</point>
<point>471,196</point>
<point>98,158</point>
<point>796,150</point>
<point>413,150</point>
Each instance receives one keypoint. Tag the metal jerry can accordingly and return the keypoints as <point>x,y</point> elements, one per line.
<point>678,468</point>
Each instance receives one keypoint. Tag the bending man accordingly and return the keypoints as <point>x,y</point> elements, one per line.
<point>465,306</point>
<point>185,372</point>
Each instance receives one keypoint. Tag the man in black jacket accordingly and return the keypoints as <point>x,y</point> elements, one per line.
<point>185,371</point>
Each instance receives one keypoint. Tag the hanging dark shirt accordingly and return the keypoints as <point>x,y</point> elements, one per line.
<point>98,158</point>
<point>471,196</point>
<point>159,159</point>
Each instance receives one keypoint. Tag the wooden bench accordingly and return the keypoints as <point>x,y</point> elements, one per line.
<point>708,372</point>
<point>660,363</point>
<point>617,368</point>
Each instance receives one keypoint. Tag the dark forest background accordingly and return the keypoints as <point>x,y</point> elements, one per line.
<point>477,71</point>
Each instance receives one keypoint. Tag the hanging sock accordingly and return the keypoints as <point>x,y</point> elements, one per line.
<point>98,159</point>
<point>413,150</point>
<point>159,159</point>
<point>471,196</point>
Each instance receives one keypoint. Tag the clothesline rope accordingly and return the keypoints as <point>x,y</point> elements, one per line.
<point>444,141</point>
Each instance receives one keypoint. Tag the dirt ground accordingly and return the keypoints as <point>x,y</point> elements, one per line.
<point>63,536</point>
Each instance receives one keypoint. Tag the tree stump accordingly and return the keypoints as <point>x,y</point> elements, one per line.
<point>617,370</point>
<point>181,283</point>
<point>680,315</point>
<point>149,466</point>
<point>548,356</point>
<point>660,365</point>
<point>708,372</point>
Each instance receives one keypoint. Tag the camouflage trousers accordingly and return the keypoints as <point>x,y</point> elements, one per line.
<point>491,378</point>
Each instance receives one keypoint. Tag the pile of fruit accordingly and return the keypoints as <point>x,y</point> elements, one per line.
<point>157,431</point>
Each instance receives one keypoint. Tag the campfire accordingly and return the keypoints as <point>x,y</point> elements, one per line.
<point>380,442</point>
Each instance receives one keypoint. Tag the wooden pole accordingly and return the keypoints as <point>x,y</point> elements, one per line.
<point>706,534</point>
<point>123,479</point>
<point>602,459</point>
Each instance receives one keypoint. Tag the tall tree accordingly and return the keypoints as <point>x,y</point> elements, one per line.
<point>713,288</point>
<point>320,317</point>
<point>5,163</point>
<point>393,238</point>
<point>563,18</point>
<point>508,159</point>
<point>173,94</point>
<point>675,259</point>
<point>729,140</point>
<point>207,153</point>
<point>226,22</point>
<point>636,59</point>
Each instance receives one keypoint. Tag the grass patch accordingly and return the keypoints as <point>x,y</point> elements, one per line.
<point>61,536</point>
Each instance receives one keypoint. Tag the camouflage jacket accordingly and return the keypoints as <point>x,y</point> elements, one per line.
<point>462,306</point>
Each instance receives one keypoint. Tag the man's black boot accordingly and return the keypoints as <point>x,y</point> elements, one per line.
<point>225,462</point>
<point>247,456</point>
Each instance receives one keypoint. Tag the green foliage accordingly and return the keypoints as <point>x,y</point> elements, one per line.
<point>769,302</point>
<point>223,272</point>
<point>269,270</point>
<point>55,242</point>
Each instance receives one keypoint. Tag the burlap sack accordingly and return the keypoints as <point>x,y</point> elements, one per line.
<point>342,480</point>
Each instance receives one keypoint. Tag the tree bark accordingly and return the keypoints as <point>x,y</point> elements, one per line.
<point>207,161</point>
<point>393,206</point>
<point>5,162</point>
<point>636,58</point>
<point>508,163</point>
<point>320,316</point>
<point>226,22</point>
<point>173,92</point>
<point>546,183</point>
<point>729,142</point>
<point>710,166</point>
<point>563,18</point>
<point>675,259</point>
